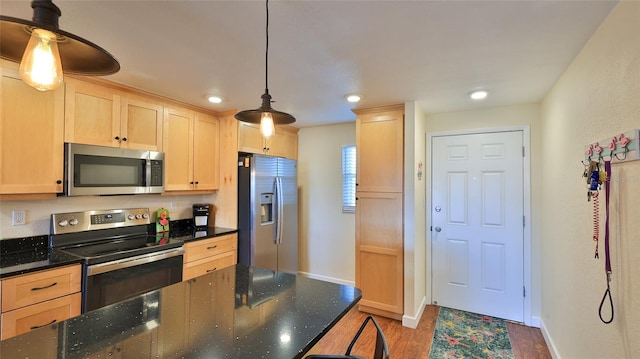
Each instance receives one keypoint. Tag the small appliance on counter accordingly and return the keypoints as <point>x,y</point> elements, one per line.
<point>201,213</point>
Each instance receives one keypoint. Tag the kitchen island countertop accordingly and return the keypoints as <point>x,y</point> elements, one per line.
<point>235,312</point>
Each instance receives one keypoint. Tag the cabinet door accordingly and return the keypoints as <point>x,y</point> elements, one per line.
<point>250,139</point>
<point>92,114</point>
<point>174,322</point>
<point>283,144</point>
<point>31,137</point>
<point>379,251</point>
<point>196,250</point>
<point>141,126</point>
<point>206,152</point>
<point>27,289</point>
<point>379,140</point>
<point>208,265</point>
<point>211,308</point>
<point>177,143</point>
<point>39,315</point>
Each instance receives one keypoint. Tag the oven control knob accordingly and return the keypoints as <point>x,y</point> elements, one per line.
<point>73,221</point>
<point>138,216</point>
<point>145,215</point>
<point>63,223</point>
<point>131,217</point>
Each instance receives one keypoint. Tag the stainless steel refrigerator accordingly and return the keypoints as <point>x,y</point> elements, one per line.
<point>268,212</point>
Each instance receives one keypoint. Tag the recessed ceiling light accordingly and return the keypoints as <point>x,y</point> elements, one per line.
<point>214,99</point>
<point>353,98</point>
<point>478,95</point>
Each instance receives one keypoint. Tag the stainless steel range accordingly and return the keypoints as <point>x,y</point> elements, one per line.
<point>122,257</point>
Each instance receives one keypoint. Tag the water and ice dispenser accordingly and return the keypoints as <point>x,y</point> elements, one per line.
<point>266,208</point>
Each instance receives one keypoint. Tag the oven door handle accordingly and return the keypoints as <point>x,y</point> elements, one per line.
<point>134,261</point>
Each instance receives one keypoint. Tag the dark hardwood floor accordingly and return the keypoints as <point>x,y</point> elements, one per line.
<point>407,343</point>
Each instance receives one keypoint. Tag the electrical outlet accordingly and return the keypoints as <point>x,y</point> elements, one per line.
<point>19,218</point>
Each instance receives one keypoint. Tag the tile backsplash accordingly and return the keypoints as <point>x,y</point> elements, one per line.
<point>38,212</point>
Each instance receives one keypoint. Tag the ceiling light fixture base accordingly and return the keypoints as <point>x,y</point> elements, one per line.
<point>255,116</point>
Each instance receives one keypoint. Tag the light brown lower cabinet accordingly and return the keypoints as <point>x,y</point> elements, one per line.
<point>207,255</point>
<point>379,253</point>
<point>35,300</point>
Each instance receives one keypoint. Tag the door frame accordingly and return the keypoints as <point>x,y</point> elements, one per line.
<point>526,142</point>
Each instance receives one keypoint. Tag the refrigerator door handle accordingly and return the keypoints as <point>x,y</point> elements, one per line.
<point>276,211</point>
<point>280,220</point>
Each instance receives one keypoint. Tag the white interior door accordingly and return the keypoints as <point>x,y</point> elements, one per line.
<point>477,218</point>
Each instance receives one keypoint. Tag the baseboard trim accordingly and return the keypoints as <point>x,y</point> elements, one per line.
<point>412,322</point>
<point>547,338</point>
<point>328,279</point>
<point>534,321</point>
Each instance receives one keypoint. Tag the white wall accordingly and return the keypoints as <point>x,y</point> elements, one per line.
<point>326,235</point>
<point>39,211</point>
<point>415,260</point>
<point>528,115</point>
<point>597,97</point>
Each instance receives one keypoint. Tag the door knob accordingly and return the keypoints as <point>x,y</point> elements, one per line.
<point>438,229</point>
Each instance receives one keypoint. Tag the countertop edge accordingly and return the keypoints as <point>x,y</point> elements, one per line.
<point>32,267</point>
<point>57,258</point>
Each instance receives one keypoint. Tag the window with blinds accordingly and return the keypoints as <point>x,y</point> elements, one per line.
<point>348,179</point>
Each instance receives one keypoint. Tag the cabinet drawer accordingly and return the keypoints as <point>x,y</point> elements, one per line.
<point>22,320</point>
<point>37,287</point>
<point>197,250</point>
<point>206,265</point>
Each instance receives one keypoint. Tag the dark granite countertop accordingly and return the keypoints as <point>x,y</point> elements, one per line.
<point>25,255</point>
<point>235,312</point>
<point>183,229</point>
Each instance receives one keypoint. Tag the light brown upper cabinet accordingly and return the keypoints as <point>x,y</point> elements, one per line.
<point>379,206</point>
<point>379,138</point>
<point>31,137</point>
<point>141,124</point>
<point>191,146</point>
<point>284,143</point>
<point>103,116</point>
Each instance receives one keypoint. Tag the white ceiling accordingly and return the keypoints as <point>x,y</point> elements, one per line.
<point>432,52</point>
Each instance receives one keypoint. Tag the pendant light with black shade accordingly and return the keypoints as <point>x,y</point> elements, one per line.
<point>266,116</point>
<point>45,52</point>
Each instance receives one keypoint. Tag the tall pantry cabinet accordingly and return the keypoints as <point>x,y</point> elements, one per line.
<point>379,210</point>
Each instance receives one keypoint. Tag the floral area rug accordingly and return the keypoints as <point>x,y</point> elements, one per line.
<point>460,334</point>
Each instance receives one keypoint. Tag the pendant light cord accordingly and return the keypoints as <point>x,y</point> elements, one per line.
<point>266,54</point>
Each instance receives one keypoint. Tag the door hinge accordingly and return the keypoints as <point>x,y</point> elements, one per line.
<point>524,222</point>
<point>523,151</point>
<point>524,292</point>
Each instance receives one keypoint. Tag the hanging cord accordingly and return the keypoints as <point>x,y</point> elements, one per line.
<point>596,221</point>
<point>266,51</point>
<point>607,259</point>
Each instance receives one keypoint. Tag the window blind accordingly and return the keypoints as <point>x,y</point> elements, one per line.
<point>348,179</point>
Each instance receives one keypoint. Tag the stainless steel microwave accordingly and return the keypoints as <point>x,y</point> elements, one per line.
<point>97,170</point>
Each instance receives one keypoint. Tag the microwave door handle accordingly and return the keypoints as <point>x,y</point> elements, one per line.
<point>147,175</point>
